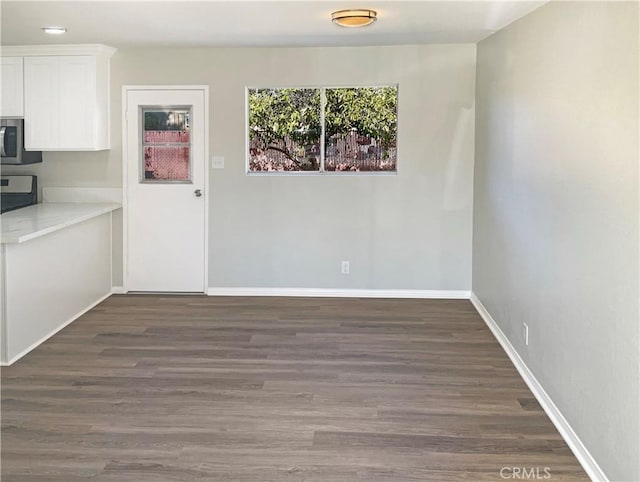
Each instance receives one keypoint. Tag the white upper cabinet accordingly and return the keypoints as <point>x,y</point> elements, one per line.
<point>11,85</point>
<point>60,103</point>
<point>78,103</point>
<point>42,103</point>
<point>66,97</point>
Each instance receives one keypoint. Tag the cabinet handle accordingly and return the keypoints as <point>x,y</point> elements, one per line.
<point>3,130</point>
<point>197,192</point>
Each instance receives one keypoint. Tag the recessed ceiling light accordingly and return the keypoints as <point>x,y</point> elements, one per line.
<point>354,18</point>
<point>54,30</point>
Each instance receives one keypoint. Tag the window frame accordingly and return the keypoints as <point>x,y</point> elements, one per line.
<point>323,100</point>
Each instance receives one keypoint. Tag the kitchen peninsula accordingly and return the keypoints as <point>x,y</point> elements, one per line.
<point>55,264</point>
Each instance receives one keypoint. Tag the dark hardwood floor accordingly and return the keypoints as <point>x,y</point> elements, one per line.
<point>194,388</point>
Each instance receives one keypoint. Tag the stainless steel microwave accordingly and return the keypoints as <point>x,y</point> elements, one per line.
<point>12,144</point>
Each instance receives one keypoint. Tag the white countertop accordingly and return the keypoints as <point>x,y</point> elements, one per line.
<point>34,221</point>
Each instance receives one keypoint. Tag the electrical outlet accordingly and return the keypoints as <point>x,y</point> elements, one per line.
<point>345,267</point>
<point>526,334</point>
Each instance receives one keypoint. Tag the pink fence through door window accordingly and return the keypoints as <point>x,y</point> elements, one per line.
<point>167,162</point>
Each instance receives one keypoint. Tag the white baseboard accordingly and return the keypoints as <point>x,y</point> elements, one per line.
<point>118,290</point>
<point>581,452</point>
<point>339,293</point>
<point>53,332</point>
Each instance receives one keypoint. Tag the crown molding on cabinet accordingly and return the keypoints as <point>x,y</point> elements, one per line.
<point>65,49</point>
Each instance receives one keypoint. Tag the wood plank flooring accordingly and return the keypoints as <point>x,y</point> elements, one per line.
<point>193,388</point>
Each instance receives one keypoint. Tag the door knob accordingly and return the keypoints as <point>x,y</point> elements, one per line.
<point>197,192</point>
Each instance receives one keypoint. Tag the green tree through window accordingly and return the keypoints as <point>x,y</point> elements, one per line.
<point>360,129</point>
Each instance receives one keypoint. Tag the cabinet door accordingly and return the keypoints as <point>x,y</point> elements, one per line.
<point>11,85</point>
<point>77,102</point>
<point>41,102</point>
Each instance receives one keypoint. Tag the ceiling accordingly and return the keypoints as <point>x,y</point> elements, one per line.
<point>253,23</point>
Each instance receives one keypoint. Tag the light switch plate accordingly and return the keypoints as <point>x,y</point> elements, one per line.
<point>217,162</point>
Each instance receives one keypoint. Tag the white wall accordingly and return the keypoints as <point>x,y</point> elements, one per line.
<point>555,240</point>
<point>406,231</point>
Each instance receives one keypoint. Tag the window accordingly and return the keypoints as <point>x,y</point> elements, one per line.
<point>166,145</point>
<point>346,129</point>
<point>284,129</point>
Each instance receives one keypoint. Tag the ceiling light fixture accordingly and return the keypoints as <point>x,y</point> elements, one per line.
<point>354,18</point>
<point>54,30</point>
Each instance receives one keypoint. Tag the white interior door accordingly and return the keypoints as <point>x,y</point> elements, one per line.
<point>166,189</point>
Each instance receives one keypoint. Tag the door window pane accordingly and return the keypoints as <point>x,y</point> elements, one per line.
<point>166,145</point>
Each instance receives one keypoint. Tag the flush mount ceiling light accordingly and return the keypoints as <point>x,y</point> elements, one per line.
<point>54,30</point>
<point>354,18</point>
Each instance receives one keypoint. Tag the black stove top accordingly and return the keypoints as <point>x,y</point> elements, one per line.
<point>17,192</point>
